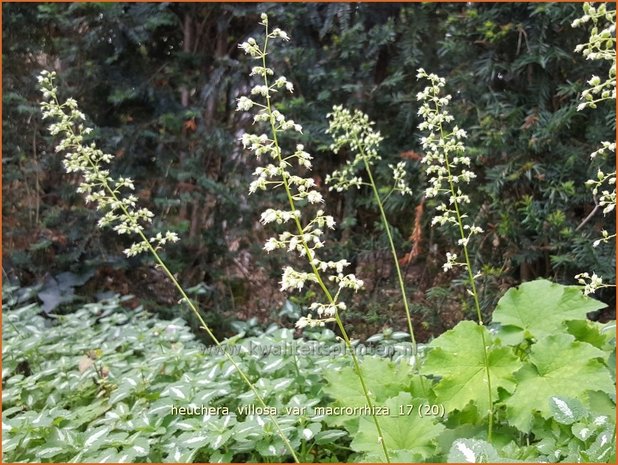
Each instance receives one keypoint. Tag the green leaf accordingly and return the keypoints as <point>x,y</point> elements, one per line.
<point>180,455</point>
<point>407,433</point>
<point>472,451</point>
<point>219,457</point>
<point>50,451</point>
<point>107,455</point>
<point>384,379</point>
<point>328,436</point>
<point>140,448</point>
<point>590,332</point>
<point>218,440</point>
<point>179,392</point>
<point>458,357</point>
<point>603,448</point>
<point>540,308</point>
<point>193,440</point>
<point>310,431</point>
<point>582,431</point>
<point>95,437</point>
<point>566,411</point>
<point>560,367</point>
<point>124,456</point>
<point>271,447</point>
<point>546,446</point>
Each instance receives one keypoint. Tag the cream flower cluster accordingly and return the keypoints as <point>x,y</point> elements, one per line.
<point>354,129</point>
<point>591,283</point>
<point>121,213</point>
<point>304,238</point>
<point>446,165</point>
<point>600,46</point>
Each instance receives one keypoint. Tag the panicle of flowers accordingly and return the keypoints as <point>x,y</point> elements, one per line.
<point>601,46</point>
<point>591,283</point>
<point>121,212</point>
<point>355,130</point>
<point>305,237</point>
<point>447,167</point>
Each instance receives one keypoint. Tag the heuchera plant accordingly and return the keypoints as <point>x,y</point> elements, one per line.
<point>354,130</point>
<point>524,372</point>
<point>307,230</point>
<point>447,168</point>
<point>600,46</point>
<point>120,211</point>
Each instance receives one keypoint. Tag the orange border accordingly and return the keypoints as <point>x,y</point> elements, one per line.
<point>241,1</point>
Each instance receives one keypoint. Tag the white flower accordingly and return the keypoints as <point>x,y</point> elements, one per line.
<point>279,33</point>
<point>451,259</point>
<point>314,197</point>
<point>259,90</point>
<point>271,244</point>
<point>303,322</point>
<point>244,104</point>
<point>268,216</point>
<point>590,283</point>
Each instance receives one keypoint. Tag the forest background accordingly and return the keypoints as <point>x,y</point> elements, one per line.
<point>160,83</point>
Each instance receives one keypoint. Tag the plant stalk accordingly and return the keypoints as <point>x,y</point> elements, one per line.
<point>315,271</point>
<point>472,285</point>
<point>387,228</point>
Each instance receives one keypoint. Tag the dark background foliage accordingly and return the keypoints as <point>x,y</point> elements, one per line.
<point>159,82</point>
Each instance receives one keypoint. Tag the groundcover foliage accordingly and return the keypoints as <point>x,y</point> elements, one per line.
<point>102,385</point>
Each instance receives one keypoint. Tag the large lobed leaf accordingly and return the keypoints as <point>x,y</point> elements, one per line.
<point>560,367</point>
<point>408,437</point>
<point>458,357</point>
<point>540,308</point>
<point>383,378</point>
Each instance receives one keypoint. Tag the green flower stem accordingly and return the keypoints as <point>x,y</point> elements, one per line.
<point>387,227</point>
<point>194,309</point>
<point>472,284</point>
<point>315,271</point>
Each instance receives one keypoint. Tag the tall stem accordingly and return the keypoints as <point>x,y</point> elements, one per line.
<point>387,227</point>
<point>472,282</point>
<point>314,269</point>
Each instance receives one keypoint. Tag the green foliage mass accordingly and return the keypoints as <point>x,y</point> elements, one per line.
<point>557,366</point>
<point>545,391</point>
<point>540,308</point>
<point>101,385</point>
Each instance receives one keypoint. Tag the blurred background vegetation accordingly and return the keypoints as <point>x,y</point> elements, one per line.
<point>160,82</point>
